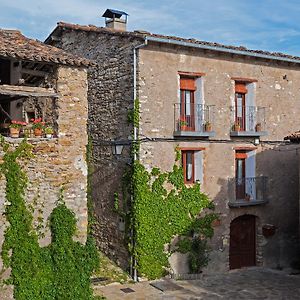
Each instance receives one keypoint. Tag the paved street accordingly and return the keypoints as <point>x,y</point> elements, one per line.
<point>252,283</point>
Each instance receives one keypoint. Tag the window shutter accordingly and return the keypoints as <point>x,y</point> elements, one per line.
<point>240,88</point>
<point>198,158</point>
<point>187,84</point>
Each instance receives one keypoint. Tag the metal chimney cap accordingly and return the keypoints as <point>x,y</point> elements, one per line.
<point>113,13</point>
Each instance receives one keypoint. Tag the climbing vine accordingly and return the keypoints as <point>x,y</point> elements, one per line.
<point>162,208</point>
<point>160,213</point>
<point>60,271</point>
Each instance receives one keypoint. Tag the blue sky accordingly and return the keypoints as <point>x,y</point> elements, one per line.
<point>259,24</point>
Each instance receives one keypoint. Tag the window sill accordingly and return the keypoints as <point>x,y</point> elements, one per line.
<point>30,140</point>
<point>195,134</point>
<point>243,203</point>
<point>248,133</point>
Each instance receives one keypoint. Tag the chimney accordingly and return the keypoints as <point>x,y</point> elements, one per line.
<point>113,19</point>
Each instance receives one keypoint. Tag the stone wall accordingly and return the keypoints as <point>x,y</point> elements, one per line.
<point>277,89</point>
<point>60,161</point>
<point>110,97</point>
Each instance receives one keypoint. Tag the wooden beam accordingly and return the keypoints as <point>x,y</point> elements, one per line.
<point>27,91</point>
<point>34,72</point>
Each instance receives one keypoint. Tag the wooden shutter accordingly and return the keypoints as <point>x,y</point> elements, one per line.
<point>187,84</point>
<point>241,155</point>
<point>240,88</point>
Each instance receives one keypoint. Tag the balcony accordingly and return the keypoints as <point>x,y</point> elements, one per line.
<point>194,120</point>
<point>247,191</point>
<point>248,121</point>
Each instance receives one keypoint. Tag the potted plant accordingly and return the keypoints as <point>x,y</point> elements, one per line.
<point>258,127</point>
<point>208,126</point>
<point>49,132</point>
<point>15,127</point>
<point>182,124</point>
<point>37,126</point>
<point>236,126</point>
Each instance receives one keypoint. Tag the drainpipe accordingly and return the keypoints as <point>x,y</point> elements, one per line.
<point>135,137</point>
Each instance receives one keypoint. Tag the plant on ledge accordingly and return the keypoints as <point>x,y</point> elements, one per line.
<point>15,128</point>
<point>38,126</point>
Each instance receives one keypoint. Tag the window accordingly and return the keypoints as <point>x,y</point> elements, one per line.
<point>192,165</point>
<point>187,103</point>
<point>246,115</point>
<point>245,175</point>
<point>240,105</point>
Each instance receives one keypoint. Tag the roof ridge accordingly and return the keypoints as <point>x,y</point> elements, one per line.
<point>192,41</point>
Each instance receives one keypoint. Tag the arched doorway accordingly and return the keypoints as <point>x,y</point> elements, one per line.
<point>242,250</point>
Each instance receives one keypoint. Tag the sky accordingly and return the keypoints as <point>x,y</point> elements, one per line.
<point>271,25</point>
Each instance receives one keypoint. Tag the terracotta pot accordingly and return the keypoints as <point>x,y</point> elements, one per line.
<point>216,223</point>
<point>237,127</point>
<point>38,132</point>
<point>258,127</point>
<point>14,132</point>
<point>268,230</point>
<point>208,127</point>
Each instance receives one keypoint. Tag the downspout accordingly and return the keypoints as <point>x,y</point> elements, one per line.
<point>135,138</point>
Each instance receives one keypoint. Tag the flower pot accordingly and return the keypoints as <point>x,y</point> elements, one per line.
<point>208,127</point>
<point>49,135</point>
<point>237,127</point>
<point>268,230</point>
<point>216,223</point>
<point>258,127</point>
<point>14,132</point>
<point>38,132</point>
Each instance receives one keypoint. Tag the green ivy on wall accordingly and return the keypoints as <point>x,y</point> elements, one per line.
<point>164,207</point>
<point>60,271</point>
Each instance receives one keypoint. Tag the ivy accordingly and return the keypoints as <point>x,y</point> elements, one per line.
<point>60,271</point>
<point>160,213</point>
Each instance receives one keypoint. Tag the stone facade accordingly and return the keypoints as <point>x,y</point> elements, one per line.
<point>110,97</point>
<point>277,90</point>
<point>158,64</point>
<point>61,161</point>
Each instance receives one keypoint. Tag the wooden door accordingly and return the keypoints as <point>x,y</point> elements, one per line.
<point>242,242</point>
<point>240,110</point>
<point>187,110</point>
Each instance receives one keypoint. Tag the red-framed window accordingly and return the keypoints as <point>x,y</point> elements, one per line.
<point>240,104</point>
<point>187,103</point>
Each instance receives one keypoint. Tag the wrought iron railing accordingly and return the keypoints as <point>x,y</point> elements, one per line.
<point>248,190</point>
<point>195,117</point>
<point>248,118</point>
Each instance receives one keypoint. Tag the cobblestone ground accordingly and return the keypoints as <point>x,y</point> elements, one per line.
<point>252,283</point>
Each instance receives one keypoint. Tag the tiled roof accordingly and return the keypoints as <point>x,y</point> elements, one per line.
<point>15,45</point>
<point>294,137</point>
<point>144,34</point>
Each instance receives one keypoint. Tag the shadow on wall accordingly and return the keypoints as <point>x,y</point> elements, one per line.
<point>275,203</point>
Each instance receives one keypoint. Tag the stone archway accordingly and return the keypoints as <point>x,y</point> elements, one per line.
<point>242,249</point>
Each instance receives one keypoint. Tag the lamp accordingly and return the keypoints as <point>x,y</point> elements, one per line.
<point>117,149</point>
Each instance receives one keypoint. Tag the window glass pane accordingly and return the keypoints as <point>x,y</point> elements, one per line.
<point>188,103</point>
<point>239,103</point>
<point>189,166</point>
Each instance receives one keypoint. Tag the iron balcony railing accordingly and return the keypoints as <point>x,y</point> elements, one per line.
<point>248,191</point>
<point>248,118</point>
<point>193,117</point>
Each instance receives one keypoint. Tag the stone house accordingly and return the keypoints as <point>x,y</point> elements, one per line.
<point>227,109</point>
<point>41,81</point>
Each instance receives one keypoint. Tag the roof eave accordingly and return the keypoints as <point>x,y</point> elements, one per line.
<point>221,49</point>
